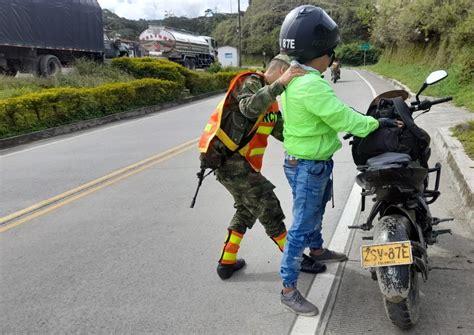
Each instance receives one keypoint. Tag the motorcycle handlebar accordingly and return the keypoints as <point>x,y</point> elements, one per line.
<point>426,104</point>
<point>440,101</point>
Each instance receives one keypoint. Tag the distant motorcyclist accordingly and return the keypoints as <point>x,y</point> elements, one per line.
<point>336,70</point>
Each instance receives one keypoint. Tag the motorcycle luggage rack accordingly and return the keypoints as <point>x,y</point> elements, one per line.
<point>434,194</point>
<point>431,193</point>
<point>437,169</point>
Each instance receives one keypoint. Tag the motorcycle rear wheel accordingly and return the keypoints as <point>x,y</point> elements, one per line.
<point>405,313</point>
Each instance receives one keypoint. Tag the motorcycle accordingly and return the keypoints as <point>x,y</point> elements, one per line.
<point>335,72</point>
<point>398,177</point>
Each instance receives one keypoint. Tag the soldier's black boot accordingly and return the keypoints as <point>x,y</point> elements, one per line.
<point>225,271</point>
<point>309,265</point>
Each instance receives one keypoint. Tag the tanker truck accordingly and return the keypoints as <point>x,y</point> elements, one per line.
<point>39,36</point>
<point>182,47</point>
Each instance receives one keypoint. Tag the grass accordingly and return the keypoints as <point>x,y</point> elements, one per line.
<point>254,60</point>
<point>85,73</point>
<point>465,134</point>
<point>413,75</point>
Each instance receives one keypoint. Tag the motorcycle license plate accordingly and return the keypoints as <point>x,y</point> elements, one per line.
<point>386,254</point>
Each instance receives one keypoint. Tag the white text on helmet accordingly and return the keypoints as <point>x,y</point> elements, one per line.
<point>287,43</point>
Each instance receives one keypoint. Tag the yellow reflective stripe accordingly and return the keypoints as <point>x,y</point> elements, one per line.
<point>244,150</point>
<point>264,130</point>
<point>229,256</point>
<point>235,239</point>
<point>257,151</point>
<point>281,242</point>
<point>226,140</point>
<point>208,127</point>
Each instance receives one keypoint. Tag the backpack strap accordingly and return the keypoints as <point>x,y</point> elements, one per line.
<point>404,112</point>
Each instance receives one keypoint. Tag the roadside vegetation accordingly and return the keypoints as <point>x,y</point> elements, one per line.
<point>408,40</point>
<point>465,134</point>
<point>93,90</point>
<point>85,73</point>
<point>426,35</point>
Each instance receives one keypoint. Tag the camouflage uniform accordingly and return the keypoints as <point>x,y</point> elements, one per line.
<point>252,192</point>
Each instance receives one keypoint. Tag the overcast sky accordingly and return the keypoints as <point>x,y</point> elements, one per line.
<point>147,9</point>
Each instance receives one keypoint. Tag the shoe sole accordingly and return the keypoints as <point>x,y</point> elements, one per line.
<point>314,313</point>
<point>331,260</point>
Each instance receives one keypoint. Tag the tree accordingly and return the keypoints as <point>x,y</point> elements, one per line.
<point>225,33</point>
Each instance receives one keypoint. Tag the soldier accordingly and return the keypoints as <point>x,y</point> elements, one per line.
<point>233,144</point>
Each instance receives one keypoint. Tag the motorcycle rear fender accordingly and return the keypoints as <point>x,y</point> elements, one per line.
<point>394,281</point>
<point>389,210</point>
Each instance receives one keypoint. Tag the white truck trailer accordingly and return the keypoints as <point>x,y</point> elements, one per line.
<point>187,49</point>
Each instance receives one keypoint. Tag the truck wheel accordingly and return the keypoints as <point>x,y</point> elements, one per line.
<point>9,72</point>
<point>49,65</point>
<point>187,64</point>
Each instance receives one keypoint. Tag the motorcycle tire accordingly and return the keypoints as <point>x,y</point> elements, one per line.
<point>405,314</point>
<point>401,309</point>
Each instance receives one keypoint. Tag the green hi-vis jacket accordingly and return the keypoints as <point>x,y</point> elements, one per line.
<point>313,116</point>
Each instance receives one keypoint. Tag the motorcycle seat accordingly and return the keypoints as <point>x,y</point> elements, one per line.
<point>388,160</point>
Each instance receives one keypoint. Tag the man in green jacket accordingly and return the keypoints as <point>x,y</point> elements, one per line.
<point>313,116</point>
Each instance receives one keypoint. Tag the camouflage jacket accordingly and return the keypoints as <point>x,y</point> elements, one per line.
<point>255,97</point>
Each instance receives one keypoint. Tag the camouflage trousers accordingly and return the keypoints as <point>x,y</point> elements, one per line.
<point>253,196</point>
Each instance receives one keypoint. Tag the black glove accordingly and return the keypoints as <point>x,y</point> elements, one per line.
<point>385,122</point>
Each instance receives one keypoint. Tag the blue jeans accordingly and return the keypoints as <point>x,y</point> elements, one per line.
<point>311,185</point>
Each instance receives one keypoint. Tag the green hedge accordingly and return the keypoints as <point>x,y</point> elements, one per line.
<point>58,106</point>
<point>151,68</point>
<point>195,81</point>
<point>350,54</point>
<point>164,81</point>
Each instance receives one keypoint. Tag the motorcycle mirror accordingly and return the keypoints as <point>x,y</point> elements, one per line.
<point>433,78</point>
<point>436,76</point>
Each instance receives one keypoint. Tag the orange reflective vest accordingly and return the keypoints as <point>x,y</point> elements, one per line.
<point>253,151</point>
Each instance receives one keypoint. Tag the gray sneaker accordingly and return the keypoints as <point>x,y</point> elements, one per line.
<point>329,256</point>
<point>296,303</point>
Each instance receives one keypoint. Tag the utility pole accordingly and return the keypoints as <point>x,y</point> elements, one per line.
<point>240,35</point>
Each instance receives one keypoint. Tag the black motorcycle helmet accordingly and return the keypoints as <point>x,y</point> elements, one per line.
<point>308,32</point>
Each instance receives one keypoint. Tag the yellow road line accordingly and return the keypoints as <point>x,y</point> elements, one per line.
<point>62,199</point>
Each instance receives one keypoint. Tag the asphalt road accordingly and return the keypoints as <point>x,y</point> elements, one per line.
<point>132,256</point>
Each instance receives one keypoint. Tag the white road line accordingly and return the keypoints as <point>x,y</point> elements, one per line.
<point>324,283</point>
<point>374,94</point>
<point>95,131</point>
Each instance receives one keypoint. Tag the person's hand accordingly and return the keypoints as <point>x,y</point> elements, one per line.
<point>385,122</point>
<point>292,72</point>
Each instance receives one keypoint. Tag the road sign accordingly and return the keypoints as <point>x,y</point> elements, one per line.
<point>364,46</point>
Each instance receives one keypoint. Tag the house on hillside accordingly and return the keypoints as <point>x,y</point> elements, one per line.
<point>228,56</point>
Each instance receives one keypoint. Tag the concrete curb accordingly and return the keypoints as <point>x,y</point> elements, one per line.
<point>460,167</point>
<point>81,125</point>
